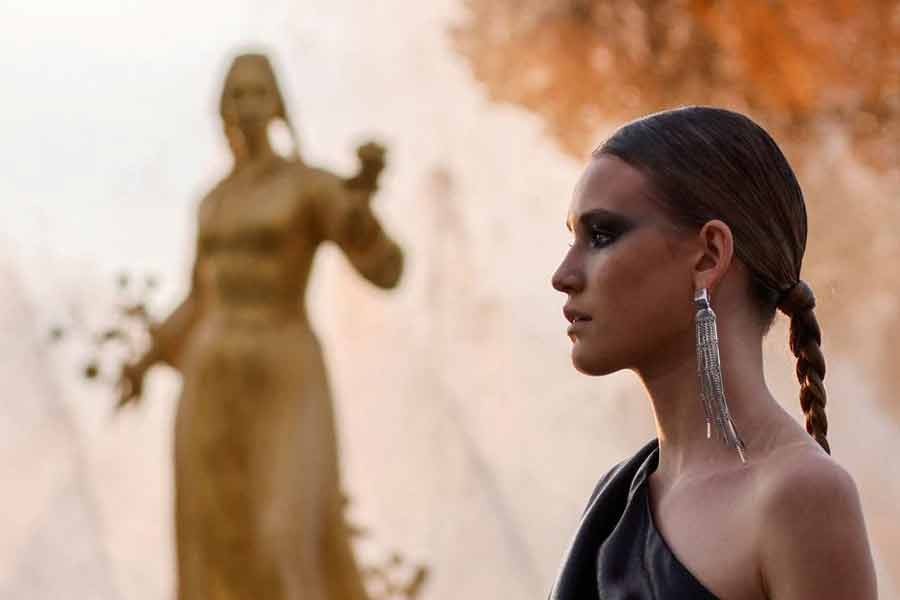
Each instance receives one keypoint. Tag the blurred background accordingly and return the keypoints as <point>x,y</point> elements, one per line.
<point>468,443</point>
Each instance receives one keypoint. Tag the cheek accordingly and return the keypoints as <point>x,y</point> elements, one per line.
<point>635,280</point>
<point>637,297</point>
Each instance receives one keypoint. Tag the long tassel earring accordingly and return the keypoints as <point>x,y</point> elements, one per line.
<point>709,371</point>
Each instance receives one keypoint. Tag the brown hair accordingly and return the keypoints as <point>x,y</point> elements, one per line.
<point>709,163</point>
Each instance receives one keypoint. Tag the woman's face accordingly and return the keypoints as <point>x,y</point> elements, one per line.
<point>250,97</point>
<point>627,274</point>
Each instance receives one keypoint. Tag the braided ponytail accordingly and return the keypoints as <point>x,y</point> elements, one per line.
<point>798,303</point>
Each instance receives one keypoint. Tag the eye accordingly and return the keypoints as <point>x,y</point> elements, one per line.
<point>600,238</point>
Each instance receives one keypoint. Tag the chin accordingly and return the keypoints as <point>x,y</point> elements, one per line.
<point>593,363</point>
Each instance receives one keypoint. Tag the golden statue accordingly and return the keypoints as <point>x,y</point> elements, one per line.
<point>258,506</point>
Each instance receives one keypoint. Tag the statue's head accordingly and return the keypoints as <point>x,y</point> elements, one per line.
<point>250,97</point>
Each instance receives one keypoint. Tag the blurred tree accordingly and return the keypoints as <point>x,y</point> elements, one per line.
<point>799,67</point>
<point>121,338</point>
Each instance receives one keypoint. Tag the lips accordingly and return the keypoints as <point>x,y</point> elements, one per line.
<point>574,316</point>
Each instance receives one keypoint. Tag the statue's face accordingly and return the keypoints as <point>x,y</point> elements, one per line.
<point>250,97</point>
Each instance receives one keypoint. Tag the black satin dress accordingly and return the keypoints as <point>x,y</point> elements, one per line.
<point>617,553</point>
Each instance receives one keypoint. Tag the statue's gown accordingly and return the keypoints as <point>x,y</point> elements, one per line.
<point>617,552</point>
<point>258,501</point>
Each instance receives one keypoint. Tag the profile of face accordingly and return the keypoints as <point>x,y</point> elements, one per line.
<point>628,274</point>
<point>250,98</point>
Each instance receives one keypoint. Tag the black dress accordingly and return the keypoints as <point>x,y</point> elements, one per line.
<point>617,553</point>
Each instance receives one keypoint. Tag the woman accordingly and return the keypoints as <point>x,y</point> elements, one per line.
<point>257,496</point>
<point>679,216</point>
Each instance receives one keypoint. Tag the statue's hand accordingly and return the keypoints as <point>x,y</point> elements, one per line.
<point>359,226</point>
<point>372,160</point>
<point>131,384</point>
<point>372,153</point>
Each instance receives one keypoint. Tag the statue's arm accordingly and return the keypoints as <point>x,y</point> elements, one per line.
<point>169,336</point>
<point>167,340</point>
<point>346,218</point>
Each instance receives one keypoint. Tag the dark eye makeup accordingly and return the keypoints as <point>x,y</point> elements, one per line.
<point>600,228</point>
<point>599,237</point>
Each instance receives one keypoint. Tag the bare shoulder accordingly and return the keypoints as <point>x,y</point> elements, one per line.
<point>799,473</point>
<point>212,197</point>
<point>813,541</point>
<point>216,190</point>
<point>315,178</point>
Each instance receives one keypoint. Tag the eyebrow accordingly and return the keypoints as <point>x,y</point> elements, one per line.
<point>600,214</point>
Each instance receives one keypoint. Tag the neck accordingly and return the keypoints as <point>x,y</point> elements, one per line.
<point>256,146</point>
<point>680,419</point>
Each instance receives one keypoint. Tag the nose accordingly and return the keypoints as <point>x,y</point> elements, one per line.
<point>568,279</point>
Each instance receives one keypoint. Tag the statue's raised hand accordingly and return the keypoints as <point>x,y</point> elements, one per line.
<point>372,158</point>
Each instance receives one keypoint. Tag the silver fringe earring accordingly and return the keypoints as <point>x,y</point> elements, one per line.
<point>709,371</point>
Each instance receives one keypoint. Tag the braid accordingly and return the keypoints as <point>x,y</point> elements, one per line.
<point>236,142</point>
<point>805,341</point>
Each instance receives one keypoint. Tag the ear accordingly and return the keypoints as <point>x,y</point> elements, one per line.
<point>716,251</point>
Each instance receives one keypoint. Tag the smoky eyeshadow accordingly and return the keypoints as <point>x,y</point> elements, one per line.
<point>606,222</point>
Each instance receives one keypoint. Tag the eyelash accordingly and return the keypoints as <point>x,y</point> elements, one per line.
<point>595,244</point>
<point>595,233</point>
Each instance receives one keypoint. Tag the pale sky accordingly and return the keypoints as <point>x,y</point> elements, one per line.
<point>110,134</point>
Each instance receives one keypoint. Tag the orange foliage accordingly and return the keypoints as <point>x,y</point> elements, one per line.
<point>799,67</point>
